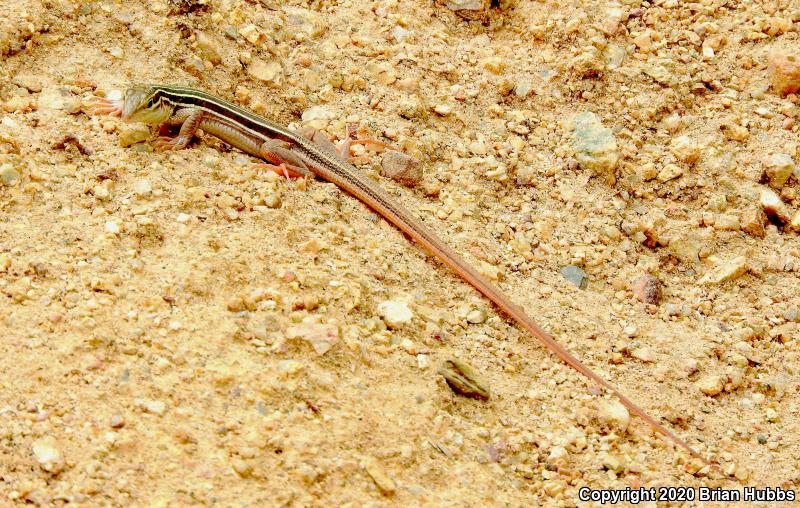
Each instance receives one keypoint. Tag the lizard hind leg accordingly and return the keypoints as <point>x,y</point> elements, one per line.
<point>344,148</point>
<point>280,159</point>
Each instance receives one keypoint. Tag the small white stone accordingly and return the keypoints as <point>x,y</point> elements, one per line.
<point>395,313</point>
<point>183,218</point>
<point>772,205</point>
<point>142,187</point>
<point>48,455</point>
<point>112,227</point>
<point>156,407</point>
<point>645,354</point>
<point>443,109</point>
<point>726,271</point>
<point>614,413</point>
<point>409,346</point>
<point>711,385</point>
<point>318,117</point>
<point>558,457</point>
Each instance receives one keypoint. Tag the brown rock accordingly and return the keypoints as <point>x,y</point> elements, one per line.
<point>647,289</point>
<point>752,222</point>
<point>784,71</point>
<point>402,168</point>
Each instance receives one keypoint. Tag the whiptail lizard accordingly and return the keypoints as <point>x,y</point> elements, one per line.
<point>294,152</point>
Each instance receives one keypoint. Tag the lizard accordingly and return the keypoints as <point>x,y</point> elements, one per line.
<point>309,153</point>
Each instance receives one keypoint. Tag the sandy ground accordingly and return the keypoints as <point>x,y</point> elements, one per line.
<point>179,329</point>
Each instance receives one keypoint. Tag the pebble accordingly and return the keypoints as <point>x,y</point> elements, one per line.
<point>771,415</point>
<point>48,454</point>
<point>784,71</point>
<point>9,175</point>
<point>685,149</point>
<point>773,206</point>
<point>558,457</point>
<point>272,200</point>
<point>645,354</point>
<point>318,117</point>
<point>595,146</point>
<point>794,224</point>
<point>752,222</point>
<point>156,407</point>
<point>209,47</point>
<point>382,480</point>
<point>270,72</point>
<point>711,385</point>
<point>476,316</point>
<point>28,81</point>
<point>464,380</point>
<point>778,168</point>
<point>112,227</point>
<point>5,261</point>
<point>611,461</point>
<point>402,168</point>
<point>575,275</point>
<point>735,132</point>
<point>726,271</point>
<point>242,467</point>
<point>669,172</point>
<point>613,413</point>
<point>132,134</point>
<point>252,34</point>
<point>117,421</point>
<point>142,187</point>
<point>322,337</point>
<point>395,313</point>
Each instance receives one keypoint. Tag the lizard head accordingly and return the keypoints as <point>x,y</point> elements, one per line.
<point>138,103</point>
<point>143,103</point>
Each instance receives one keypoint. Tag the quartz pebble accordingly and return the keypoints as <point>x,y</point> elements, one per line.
<point>318,117</point>
<point>48,454</point>
<point>773,206</point>
<point>132,134</point>
<point>614,413</point>
<point>142,187</point>
<point>595,146</point>
<point>156,407</point>
<point>476,316</point>
<point>711,385</point>
<point>395,313</point>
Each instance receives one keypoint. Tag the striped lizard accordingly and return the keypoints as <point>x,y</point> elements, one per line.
<point>308,153</point>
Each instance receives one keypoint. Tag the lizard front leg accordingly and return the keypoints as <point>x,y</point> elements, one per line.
<point>189,119</point>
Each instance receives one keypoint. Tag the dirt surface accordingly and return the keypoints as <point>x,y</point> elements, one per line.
<point>181,329</point>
